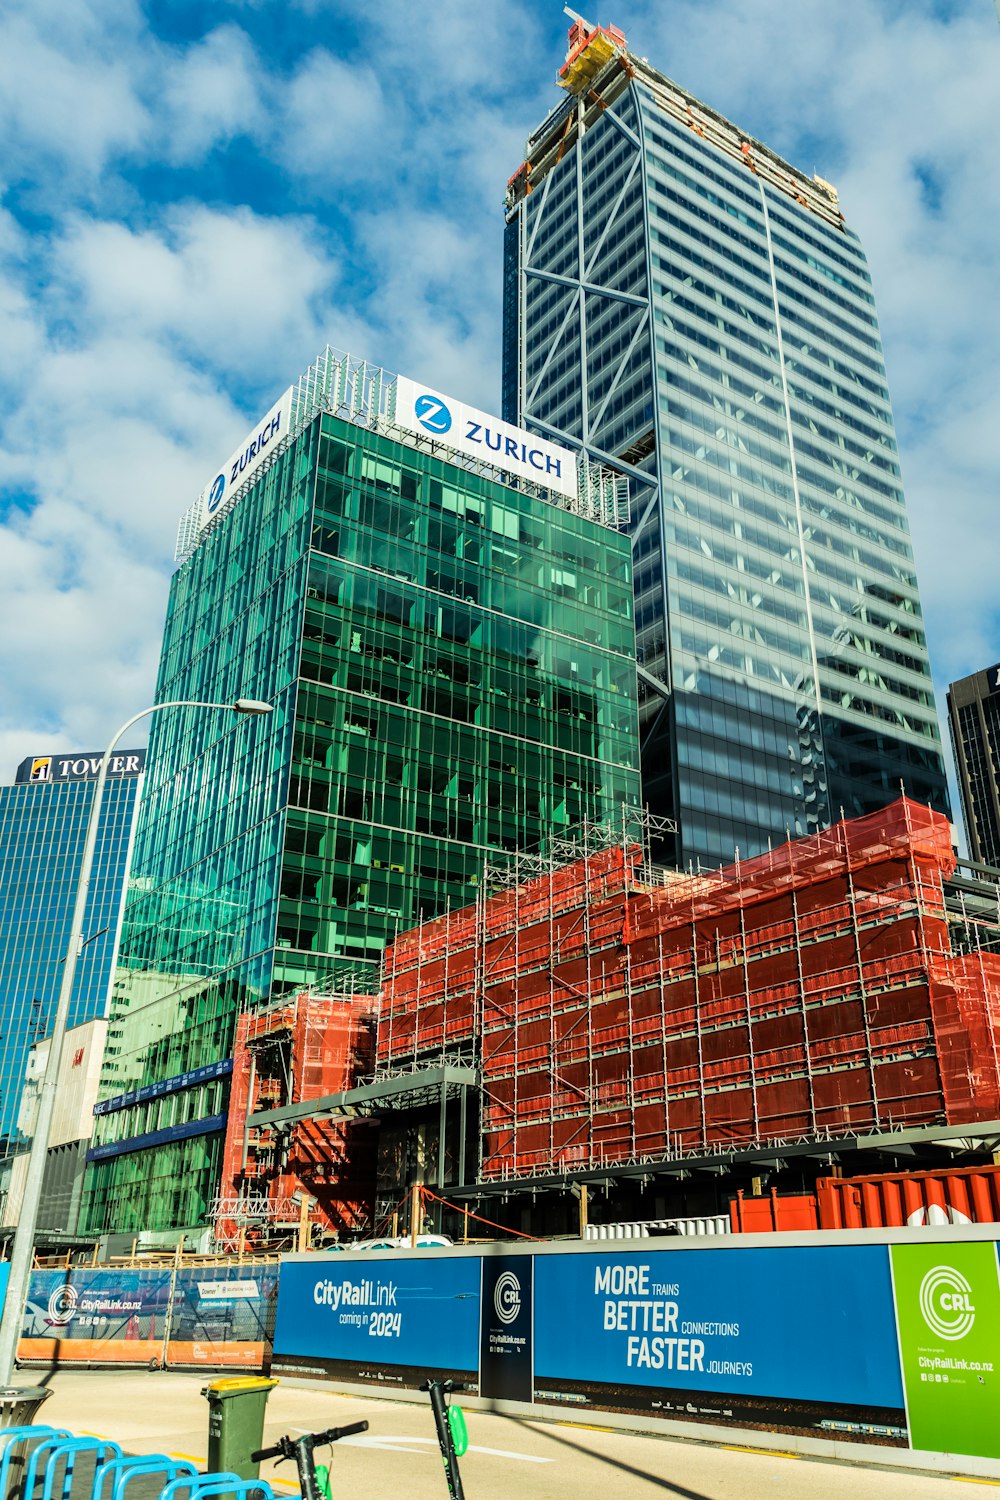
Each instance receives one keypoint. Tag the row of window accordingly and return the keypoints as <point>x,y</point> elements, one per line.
<point>805,226</point>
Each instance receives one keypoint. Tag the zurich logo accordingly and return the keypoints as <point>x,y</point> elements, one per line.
<point>432,414</point>
<point>216,492</point>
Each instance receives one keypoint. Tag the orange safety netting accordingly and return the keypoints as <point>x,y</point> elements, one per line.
<point>809,991</point>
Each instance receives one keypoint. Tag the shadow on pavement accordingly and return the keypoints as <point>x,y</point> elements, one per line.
<point>544,1430</point>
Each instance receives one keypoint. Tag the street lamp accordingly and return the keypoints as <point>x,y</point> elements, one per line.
<point>24,1238</point>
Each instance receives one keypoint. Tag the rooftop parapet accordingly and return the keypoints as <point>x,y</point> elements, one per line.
<point>368,396</point>
<point>597,71</point>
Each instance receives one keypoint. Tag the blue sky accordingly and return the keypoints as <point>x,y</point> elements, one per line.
<point>195,199</point>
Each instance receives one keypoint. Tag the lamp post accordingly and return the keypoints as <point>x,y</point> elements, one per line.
<point>24,1237</point>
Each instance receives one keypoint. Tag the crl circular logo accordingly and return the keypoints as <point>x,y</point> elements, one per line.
<point>946,1303</point>
<point>507,1297</point>
<point>432,414</point>
<point>216,492</point>
<point>62,1305</point>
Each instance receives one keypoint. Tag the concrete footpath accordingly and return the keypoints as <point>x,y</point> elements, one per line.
<point>148,1412</point>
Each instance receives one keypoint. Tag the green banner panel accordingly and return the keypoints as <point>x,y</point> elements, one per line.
<point>948,1314</point>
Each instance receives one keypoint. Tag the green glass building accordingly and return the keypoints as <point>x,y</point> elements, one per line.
<point>449,648</point>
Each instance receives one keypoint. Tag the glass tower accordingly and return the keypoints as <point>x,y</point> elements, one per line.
<point>974,718</point>
<point>683,305</point>
<point>43,823</point>
<point>451,657</point>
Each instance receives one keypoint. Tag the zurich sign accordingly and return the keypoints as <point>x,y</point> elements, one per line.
<point>432,414</point>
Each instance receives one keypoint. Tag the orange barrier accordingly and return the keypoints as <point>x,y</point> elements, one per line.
<point>91,1351</point>
<point>242,1356</point>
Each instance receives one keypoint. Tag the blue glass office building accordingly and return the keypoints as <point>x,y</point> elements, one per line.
<point>684,306</point>
<point>43,821</point>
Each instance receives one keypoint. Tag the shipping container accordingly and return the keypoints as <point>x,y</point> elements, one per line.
<point>905,1200</point>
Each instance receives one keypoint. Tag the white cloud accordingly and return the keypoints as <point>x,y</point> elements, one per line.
<point>67,95</point>
<point>114,417</point>
<point>230,290</point>
<point>332,123</point>
<point>211,93</point>
<point>142,331</point>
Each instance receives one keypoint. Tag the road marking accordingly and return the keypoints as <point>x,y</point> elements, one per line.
<point>764,1452</point>
<point>588,1426</point>
<point>384,1440</point>
<point>388,1445</point>
<point>970,1479</point>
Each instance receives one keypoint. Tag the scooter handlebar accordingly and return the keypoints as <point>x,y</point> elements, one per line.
<point>285,1446</point>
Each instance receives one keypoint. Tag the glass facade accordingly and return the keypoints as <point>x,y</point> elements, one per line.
<point>974,718</point>
<point>42,829</point>
<point>689,309</point>
<point>453,668</point>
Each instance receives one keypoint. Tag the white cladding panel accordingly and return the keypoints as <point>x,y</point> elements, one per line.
<point>79,1077</point>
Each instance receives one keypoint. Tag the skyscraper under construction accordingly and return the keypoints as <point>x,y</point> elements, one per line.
<point>684,306</point>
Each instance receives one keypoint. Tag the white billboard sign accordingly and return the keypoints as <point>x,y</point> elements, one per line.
<point>228,1291</point>
<point>248,457</point>
<point>419,409</point>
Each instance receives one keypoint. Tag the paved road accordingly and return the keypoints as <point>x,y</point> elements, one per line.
<point>508,1458</point>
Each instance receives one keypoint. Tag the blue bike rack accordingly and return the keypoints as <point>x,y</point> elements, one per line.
<point>11,1437</point>
<point>203,1485</point>
<point>57,1450</point>
<point>122,1470</point>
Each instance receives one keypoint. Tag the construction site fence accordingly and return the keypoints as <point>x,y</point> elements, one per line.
<point>165,1316</point>
<point>830,1343</point>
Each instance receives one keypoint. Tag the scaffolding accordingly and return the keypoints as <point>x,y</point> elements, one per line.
<point>247,1219</point>
<point>814,992</point>
<point>302,1047</point>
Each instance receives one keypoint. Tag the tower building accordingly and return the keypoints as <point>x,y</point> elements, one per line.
<point>439,608</point>
<point>43,824</point>
<point>684,306</point>
<point>974,719</point>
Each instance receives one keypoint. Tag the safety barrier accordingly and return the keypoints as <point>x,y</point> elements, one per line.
<point>50,1455</point>
<point>209,1317</point>
<point>847,1338</point>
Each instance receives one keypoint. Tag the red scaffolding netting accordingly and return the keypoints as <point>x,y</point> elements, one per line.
<point>306,1048</point>
<point>811,991</point>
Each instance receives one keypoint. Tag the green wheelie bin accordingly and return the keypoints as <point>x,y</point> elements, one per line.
<point>236,1423</point>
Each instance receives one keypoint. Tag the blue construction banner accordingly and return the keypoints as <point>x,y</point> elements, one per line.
<point>108,1316</point>
<point>799,1339</point>
<point>506,1355</point>
<point>382,1320</point>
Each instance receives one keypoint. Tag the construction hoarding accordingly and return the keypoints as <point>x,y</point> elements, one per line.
<point>206,1315</point>
<point>847,1341</point>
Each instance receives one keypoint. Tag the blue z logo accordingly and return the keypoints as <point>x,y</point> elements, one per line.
<point>432,414</point>
<point>216,492</point>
